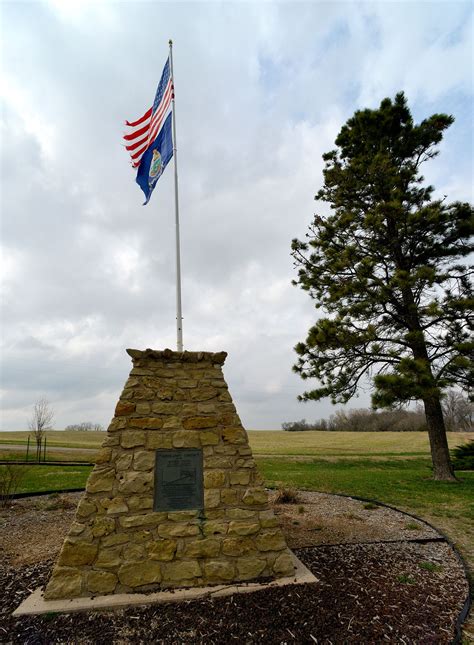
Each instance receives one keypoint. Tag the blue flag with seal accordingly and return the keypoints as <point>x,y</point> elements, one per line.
<point>155,159</point>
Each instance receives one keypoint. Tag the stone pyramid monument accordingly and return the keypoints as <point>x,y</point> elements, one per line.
<point>174,499</point>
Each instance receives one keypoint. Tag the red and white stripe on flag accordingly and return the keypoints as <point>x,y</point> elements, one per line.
<point>144,131</point>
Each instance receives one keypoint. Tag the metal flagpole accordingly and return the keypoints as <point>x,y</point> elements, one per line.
<point>179,316</point>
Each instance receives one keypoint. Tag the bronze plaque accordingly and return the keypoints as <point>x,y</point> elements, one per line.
<point>178,480</point>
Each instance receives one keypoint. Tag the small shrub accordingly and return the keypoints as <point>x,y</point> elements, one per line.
<point>57,503</point>
<point>430,566</point>
<point>405,579</point>
<point>412,526</point>
<point>463,456</point>
<point>353,516</point>
<point>11,477</point>
<point>301,509</point>
<point>286,496</point>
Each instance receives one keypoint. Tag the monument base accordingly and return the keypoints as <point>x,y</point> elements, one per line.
<point>175,499</point>
<point>36,603</point>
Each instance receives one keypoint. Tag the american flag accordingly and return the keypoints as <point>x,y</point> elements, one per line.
<point>145,130</point>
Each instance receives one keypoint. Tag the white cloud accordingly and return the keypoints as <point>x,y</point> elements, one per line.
<point>262,90</point>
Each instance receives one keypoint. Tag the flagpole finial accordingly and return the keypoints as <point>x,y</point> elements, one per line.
<point>170,42</point>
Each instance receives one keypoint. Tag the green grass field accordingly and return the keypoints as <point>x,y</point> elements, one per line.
<point>390,467</point>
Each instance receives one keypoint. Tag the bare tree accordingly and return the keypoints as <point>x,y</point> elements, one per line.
<point>40,421</point>
<point>457,410</point>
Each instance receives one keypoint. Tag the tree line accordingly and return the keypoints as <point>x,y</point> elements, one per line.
<point>457,410</point>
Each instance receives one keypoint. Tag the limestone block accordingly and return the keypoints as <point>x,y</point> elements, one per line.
<point>111,440</point>
<point>215,461</point>
<point>203,393</point>
<point>143,408</point>
<point>141,536</point>
<point>219,383</point>
<point>172,422</point>
<point>215,527</point>
<point>138,394</point>
<point>162,550</point>
<point>255,497</point>
<point>197,423</point>
<point>76,554</point>
<point>123,462</point>
<point>206,548</point>
<point>136,503</point>
<point>182,516</point>
<point>123,408</point>
<point>214,478</point>
<point>271,541</point>
<point>245,463</point>
<point>283,565</point>
<point>148,519</point>
<point>117,424</point>
<point>215,514</point>
<point>65,583</point>
<point>225,397</point>
<point>156,440</point>
<point>241,527</point>
<point>240,477</point>
<point>237,546</point>
<point>149,423</point>
<point>135,482</point>
<point>209,438</point>
<point>187,383</point>
<point>85,508</point>
<point>225,449</point>
<point>230,496</point>
<point>100,480</point>
<point>109,558</point>
<point>186,439</point>
<point>212,497</point>
<point>103,456</point>
<point>143,460</point>
<point>114,505</point>
<point>133,552</point>
<point>229,419</point>
<point>103,526</point>
<point>250,567</point>
<point>137,574</point>
<point>176,529</point>
<point>267,519</point>
<point>219,570</point>
<point>241,514</point>
<point>114,539</point>
<point>206,408</point>
<point>234,435</point>
<point>132,438</point>
<point>183,570</point>
<point>164,393</point>
<point>76,529</point>
<point>101,582</point>
<point>166,408</point>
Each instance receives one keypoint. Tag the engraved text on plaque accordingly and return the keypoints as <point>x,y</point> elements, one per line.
<point>178,480</point>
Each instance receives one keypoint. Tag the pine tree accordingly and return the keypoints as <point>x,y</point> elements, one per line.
<point>386,267</point>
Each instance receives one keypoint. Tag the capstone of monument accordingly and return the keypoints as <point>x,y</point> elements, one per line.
<point>175,499</point>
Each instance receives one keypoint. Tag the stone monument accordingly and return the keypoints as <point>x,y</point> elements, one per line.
<point>175,499</point>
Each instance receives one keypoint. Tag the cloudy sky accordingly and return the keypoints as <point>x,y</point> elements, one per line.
<point>262,90</point>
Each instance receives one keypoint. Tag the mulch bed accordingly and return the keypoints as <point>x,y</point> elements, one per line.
<point>367,593</point>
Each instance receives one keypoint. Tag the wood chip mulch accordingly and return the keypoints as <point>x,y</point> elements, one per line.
<point>369,593</point>
<point>402,591</point>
